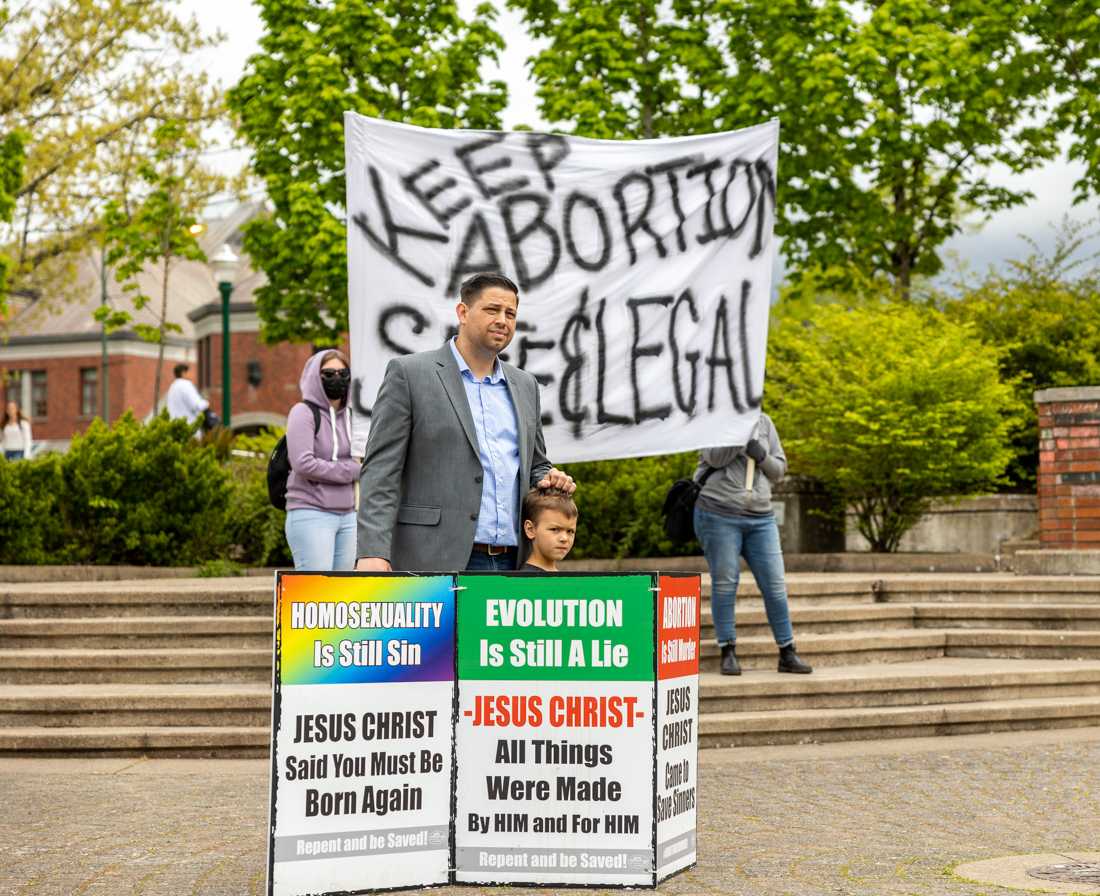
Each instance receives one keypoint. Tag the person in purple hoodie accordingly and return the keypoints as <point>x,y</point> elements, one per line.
<point>320,492</point>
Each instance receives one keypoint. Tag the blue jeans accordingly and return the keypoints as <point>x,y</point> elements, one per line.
<point>320,540</point>
<point>505,562</point>
<point>725,540</point>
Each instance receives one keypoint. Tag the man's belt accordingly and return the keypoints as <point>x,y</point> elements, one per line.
<point>493,550</point>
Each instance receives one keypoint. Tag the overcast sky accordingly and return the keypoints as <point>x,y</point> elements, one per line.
<point>988,244</point>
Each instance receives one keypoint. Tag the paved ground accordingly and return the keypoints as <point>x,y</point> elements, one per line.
<point>874,818</point>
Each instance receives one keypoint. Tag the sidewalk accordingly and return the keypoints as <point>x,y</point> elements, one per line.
<point>879,817</point>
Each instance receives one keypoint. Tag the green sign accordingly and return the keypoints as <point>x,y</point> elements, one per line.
<point>562,627</point>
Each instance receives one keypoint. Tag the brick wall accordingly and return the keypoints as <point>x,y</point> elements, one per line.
<point>1069,467</point>
<point>130,381</point>
<point>280,367</point>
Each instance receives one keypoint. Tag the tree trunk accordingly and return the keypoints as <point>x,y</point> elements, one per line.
<point>160,341</point>
<point>902,256</point>
<point>646,86</point>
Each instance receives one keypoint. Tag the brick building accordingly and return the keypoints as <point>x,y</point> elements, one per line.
<point>52,356</point>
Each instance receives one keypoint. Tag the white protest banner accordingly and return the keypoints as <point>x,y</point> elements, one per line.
<point>644,271</point>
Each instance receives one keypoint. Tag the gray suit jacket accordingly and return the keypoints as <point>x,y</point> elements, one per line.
<point>420,487</point>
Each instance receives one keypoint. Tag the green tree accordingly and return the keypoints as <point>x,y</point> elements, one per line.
<point>157,231</point>
<point>889,405</point>
<point>1042,314</point>
<point>87,82</point>
<point>621,68</point>
<point>12,159</point>
<point>892,113</point>
<point>414,61</point>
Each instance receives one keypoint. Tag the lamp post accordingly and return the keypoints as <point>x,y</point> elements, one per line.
<point>104,366</point>
<point>225,270</point>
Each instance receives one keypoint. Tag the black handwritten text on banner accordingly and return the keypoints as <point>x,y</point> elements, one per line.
<point>644,271</point>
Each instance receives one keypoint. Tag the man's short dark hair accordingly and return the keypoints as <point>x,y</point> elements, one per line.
<point>180,369</point>
<point>472,288</point>
<point>540,499</point>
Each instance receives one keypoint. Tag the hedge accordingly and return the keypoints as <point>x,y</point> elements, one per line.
<point>154,494</point>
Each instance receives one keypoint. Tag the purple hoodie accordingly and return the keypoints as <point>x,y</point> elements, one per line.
<point>319,480</point>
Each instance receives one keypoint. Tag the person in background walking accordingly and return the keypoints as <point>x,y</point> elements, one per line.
<point>320,491</point>
<point>183,399</point>
<point>735,520</point>
<point>17,433</point>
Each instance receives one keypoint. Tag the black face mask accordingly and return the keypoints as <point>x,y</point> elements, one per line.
<point>336,383</point>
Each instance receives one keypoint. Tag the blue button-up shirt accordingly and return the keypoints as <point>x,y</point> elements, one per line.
<point>498,445</point>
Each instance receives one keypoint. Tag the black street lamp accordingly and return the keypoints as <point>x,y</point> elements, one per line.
<point>225,271</point>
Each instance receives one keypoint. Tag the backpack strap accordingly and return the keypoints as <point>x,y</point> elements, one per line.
<point>710,471</point>
<point>316,415</point>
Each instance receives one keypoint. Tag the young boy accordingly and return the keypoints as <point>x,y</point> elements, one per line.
<point>550,523</point>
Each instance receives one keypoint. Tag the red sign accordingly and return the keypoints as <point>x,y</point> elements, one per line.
<point>678,626</point>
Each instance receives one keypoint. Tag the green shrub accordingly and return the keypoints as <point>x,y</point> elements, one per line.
<point>219,569</point>
<point>143,494</point>
<point>1044,316</point>
<point>620,502</point>
<point>889,405</point>
<point>252,525</point>
<point>30,530</point>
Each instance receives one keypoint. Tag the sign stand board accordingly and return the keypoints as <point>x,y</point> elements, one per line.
<point>483,728</point>
<point>362,733</point>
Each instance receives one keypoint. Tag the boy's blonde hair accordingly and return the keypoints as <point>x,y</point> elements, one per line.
<point>540,499</point>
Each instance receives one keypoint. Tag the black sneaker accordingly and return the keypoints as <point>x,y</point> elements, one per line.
<point>730,666</point>
<point>789,661</point>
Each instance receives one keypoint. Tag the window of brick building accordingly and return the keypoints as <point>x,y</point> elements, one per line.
<point>13,387</point>
<point>89,383</point>
<point>39,404</point>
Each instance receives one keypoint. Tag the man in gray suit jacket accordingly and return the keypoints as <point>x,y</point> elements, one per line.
<point>455,443</point>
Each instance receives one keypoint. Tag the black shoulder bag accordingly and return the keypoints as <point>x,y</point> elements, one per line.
<point>679,507</point>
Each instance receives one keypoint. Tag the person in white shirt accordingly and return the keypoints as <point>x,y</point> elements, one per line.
<point>183,399</point>
<point>17,433</point>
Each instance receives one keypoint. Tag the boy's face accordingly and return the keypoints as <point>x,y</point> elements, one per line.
<point>552,536</point>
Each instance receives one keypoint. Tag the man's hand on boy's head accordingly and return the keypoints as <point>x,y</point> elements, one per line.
<point>556,478</point>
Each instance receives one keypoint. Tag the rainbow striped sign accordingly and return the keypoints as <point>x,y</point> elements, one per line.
<point>362,733</point>
<point>336,629</point>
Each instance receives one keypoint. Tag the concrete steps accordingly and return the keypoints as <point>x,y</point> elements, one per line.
<point>137,631</point>
<point>182,667</point>
<point>229,742</point>
<point>1011,644</point>
<point>831,588</point>
<point>1058,617</point>
<point>732,729</point>
<point>134,705</point>
<point>903,645</point>
<point>836,649</point>
<point>927,682</point>
<point>31,666</point>
<point>810,619</point>
<point>244,596</point>
<point>996,588</point>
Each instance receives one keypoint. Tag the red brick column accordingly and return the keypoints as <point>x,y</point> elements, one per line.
<point>1069,467</point>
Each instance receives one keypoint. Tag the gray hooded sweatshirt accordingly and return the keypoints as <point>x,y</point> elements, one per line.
<point>725,491</point>
<point>322,471</point>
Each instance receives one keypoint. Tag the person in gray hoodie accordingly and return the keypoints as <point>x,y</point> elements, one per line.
<point>734,519</point>
<point>320,492</point>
